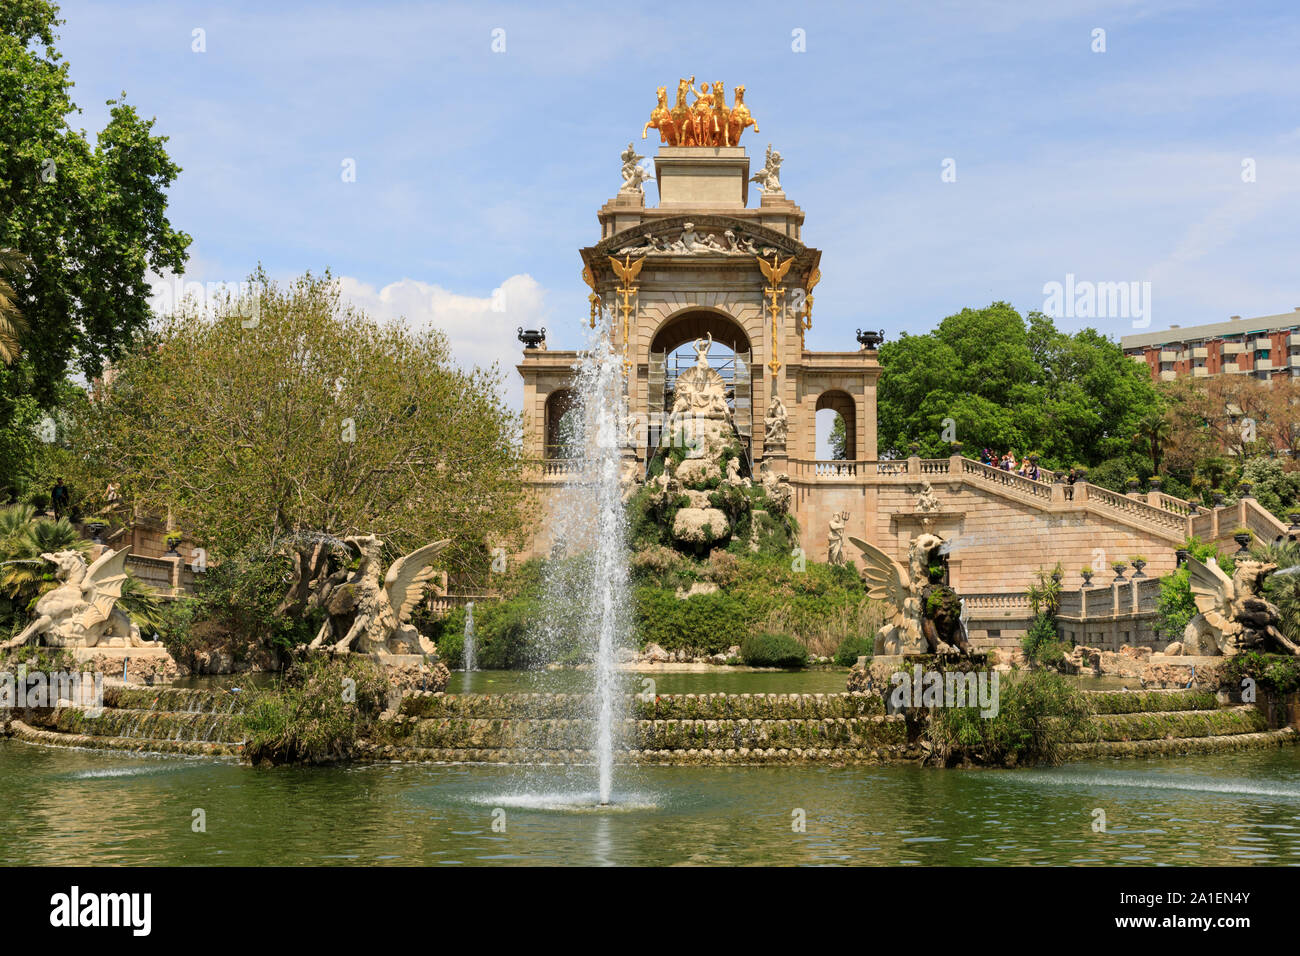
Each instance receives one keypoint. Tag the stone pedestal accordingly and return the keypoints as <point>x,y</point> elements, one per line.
<point>697,177</point>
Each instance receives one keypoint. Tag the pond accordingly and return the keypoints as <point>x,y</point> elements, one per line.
<point>87,807</point>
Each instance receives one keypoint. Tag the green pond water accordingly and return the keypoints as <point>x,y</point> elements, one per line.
<point>87,807</point>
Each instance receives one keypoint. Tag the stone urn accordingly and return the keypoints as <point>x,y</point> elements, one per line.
<point>531,338</point>
<point>96,528</point>
<point>1138,565</point>
<point>1295,520</point>
<point>1243,540</point>
<point>1243,490</point>
<point>1087,578</point>
<point>1118,567</point>
<point>870,341</point>
<point>1154,483</point>
<point>1218,497</point>
<point>1182,554</point>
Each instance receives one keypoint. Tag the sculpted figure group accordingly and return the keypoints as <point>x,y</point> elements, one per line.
<point>706,122</point>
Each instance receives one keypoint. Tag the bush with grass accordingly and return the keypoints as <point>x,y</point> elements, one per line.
<point>318,712</point>
<point>773,650</point>
<point>853,647</point>
<point>1039,713</point>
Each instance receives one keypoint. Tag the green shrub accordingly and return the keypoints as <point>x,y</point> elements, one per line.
<point>318,712</point>
<point>1038,714</point>
<point>773,650</point>
<point>1277,673</point>
<point>1038,637</point>
<point>853,647</point>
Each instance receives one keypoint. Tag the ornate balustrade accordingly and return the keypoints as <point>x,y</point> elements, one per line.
<point>1035,489</point>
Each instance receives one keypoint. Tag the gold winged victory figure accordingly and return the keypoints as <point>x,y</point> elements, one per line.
<point>368,615</point>
<point>80,610</point>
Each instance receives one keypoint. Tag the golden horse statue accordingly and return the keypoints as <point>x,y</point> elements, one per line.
<point>740,118</point>
<point>681,114</point>
<point>721,116</point>
<point>661,118</point>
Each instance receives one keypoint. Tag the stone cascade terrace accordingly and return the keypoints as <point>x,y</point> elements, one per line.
<point>555,729</point>
<point>192,721</point>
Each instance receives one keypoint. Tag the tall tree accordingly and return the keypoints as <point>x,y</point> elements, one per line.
<point>263,429</point>
<point>992,379</point>
<point>91,218</point>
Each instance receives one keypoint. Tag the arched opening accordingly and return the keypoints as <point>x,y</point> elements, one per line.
<point>671,354</point>
<point>561,424</point>
<point>836,427</point>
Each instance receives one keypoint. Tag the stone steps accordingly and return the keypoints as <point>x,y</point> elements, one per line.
<point>546,734</point>
<point>134,723</point>
<point>1179,724</point>
<point>662,707</point>
<point>1174,746</point>
<point>57,738</point>
<point>696,756</point>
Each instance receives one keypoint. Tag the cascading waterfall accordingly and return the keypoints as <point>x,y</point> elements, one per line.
<point>586,589</point>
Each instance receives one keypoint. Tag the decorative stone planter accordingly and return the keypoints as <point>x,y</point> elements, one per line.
<point>1087,578</point>
<point>1243,490</point>
<point>1138,566</point>
<point>1218,498</point>
<point>531,338</point>
<point>1295,520</point>
<point>1155,483</point>
<point>1182,554</point>
<point>96,528</point>
<point>1119,572</point>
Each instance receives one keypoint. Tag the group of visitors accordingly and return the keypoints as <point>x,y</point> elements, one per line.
<point>1026,467</point>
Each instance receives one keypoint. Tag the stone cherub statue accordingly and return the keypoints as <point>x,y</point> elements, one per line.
<point>368,614</point>
<point>633,174</point>
<point>80,611</point>
<point>835,539</point>
<point>769,177</point>
<point>925,614</point>
<point>776,422</point>
<point>1233,616</point>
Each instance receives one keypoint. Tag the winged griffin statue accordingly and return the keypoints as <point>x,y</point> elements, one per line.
<point>924,615</point>
<point>1233,614</point>
<point>80,610</point>
<point>368,614</point>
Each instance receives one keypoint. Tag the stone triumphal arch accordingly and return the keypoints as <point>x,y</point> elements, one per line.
<point>705,264</point>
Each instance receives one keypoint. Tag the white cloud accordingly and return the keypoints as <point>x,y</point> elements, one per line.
<point>481,329</point>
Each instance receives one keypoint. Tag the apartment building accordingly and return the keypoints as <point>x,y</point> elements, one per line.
<point>1264,347</point>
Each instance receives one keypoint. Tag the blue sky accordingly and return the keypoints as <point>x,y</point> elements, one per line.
<point>477,170</point>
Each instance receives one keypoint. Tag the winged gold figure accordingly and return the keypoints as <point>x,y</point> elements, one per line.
<point>775,270</point>
<point>627,271</point>
<point>368,615</point>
